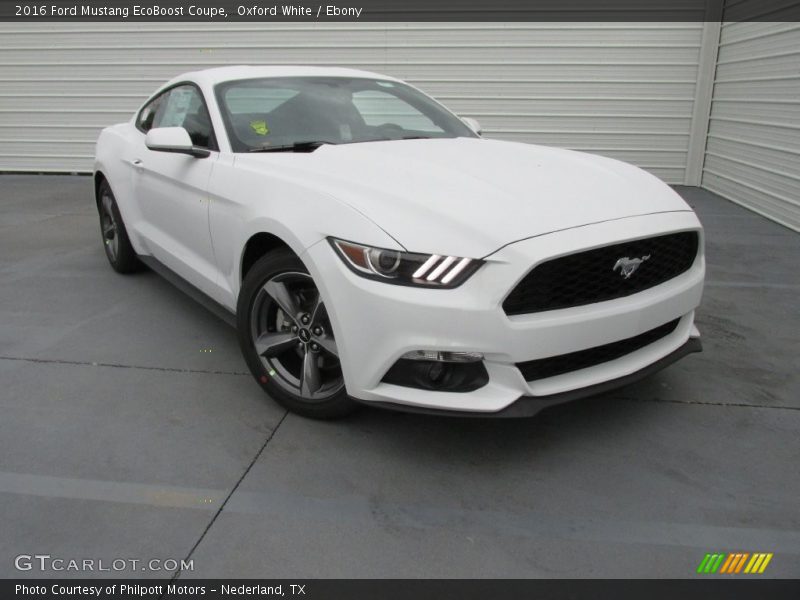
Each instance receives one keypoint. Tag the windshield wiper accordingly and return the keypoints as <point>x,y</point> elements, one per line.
<point>295,147</point>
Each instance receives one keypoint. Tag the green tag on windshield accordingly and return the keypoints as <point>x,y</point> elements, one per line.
<point>260,127</point>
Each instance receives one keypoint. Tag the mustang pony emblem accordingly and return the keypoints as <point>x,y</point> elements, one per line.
<point>627,266</point>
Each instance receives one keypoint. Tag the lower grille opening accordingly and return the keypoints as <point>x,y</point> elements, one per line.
<point>543,368</point>
<point>438,376</point>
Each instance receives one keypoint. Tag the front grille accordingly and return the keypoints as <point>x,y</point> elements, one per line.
<point>566,363</point>
<point>590,276</point>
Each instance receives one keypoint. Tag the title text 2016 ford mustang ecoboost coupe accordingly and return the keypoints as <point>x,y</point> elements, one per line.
<point>374,248</point>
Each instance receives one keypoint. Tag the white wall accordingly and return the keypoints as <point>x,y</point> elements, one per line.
<point>626,90</point>
<point>753,149</point>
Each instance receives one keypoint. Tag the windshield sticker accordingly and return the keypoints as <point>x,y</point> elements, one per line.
<point>260,127</point>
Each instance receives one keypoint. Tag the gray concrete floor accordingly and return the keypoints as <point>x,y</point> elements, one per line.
<point>121,438</point>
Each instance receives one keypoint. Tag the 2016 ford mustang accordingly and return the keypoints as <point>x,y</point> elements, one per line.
<point>372,247</point>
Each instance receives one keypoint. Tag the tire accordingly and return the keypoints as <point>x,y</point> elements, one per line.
<point>286,338</point>
<point>119,251</point>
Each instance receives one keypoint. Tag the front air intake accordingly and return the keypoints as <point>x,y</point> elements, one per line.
<point>603,273</point>
<point>543,368</point>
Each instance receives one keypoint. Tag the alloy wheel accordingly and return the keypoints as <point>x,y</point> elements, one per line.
<point>291,333</point>
<point>108,226</point>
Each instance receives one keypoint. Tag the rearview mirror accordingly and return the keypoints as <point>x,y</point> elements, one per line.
<point>472,124</point>
<point>173,139</point>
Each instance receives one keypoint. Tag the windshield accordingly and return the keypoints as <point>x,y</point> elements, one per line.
<point>284,111</point>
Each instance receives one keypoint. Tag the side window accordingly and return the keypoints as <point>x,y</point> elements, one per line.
<point>184,107</point>
<point>147,115</point>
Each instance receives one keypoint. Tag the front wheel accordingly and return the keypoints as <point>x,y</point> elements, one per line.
<point>286,337</point>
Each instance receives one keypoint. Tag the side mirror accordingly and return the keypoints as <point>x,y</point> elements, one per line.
<point>173,139</point>
<point>472,124</point>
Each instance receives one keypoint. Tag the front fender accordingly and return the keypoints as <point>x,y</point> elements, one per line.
<point>244,203</point>
<point>113,152</point>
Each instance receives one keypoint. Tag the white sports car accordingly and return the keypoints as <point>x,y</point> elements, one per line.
<point>373,248</point>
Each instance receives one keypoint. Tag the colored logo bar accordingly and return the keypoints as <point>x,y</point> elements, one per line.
<point>734,563</point>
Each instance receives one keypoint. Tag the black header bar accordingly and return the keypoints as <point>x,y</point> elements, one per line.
<point>394,589</point>
<point>400,10</point>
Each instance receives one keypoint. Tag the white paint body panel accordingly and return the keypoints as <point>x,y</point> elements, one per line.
<point>471,196</point>
<point>514,204</point>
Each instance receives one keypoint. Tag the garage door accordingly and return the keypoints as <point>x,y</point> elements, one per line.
<point>623,90</point>
<point>753,149</point>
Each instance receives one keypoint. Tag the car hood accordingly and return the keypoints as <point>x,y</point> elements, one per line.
<point>470,197</point>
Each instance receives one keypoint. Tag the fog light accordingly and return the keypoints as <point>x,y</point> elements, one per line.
<point>439,371</point>
<point>436,372</point>
<point>435,355</point>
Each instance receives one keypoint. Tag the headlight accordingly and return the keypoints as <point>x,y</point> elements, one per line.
<point>405,268</point>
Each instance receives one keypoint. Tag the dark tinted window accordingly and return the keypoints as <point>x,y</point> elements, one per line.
<point>148,114</point>
<point>181,106</point>
<point>184,107</point>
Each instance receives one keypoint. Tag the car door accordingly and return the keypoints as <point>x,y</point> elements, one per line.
<point>171,189</point>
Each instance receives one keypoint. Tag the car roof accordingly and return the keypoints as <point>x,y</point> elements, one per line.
<point>210,77</point>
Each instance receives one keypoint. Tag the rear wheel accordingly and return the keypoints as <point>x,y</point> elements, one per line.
<point>286,337</point>
<point>119,251</point>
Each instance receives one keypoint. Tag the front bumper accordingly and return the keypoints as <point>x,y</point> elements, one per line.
<point>527,406</point>
<point>376,323</point>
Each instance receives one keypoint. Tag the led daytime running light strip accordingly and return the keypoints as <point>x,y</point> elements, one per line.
<point>442,268</point>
